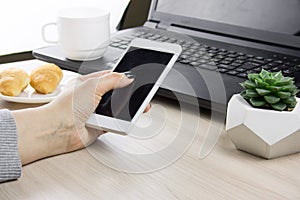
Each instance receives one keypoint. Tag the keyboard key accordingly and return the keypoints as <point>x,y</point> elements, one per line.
<point>287,72</point>
<point>250,72</point>
<point>278,62</point>
<point>219,57</point>
<point>222,70</point>
<point>213,51</point>
<point>249,66</point>
<point>268,60</point>
<point>216,60</point>
<point>259,58</point>
<point>194,47</point>
<point>234,64</point>
<point>242,58</point>
<point>242,75</point>
<point>207,66</point>
<point>250,56</point>
<point>124,42</point>
<point>197,55</point>
<point>229,67</point>
<point>232,73</point>
<point>184,61</point>
<point>202,61</point>
<point>194,64</point>
<point>222,53</point>
<point>257,70</point>
<point>240,70</point>
<point>289,64</point>
<point>273,64</point>
<point>123,46</point>
<point>260,61</point>
<point>115,44</point>
<point>240,61</point>
<point>187,53</point>
<point>275,69</point>
<point>192,50</point>
<point>213,48</point>
<point>225,62</point>
<point>192,58</point>
<point>231,55</point>
<point>182,56</point>
<point>266,67</point>
<point>206,57</point>
<point>229,59</point>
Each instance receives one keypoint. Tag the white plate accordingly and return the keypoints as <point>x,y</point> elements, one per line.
<point>29,95</point>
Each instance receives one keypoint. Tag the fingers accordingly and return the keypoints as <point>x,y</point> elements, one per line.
<point>113,80</point>
<point>95,75</point>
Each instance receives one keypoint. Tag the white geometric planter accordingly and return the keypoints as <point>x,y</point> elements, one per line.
<point>265,133</point>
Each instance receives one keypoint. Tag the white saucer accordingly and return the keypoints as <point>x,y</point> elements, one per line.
<point>29,95</point>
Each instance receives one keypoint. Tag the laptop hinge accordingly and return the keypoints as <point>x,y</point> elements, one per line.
<point>163,25</point>
<point>150,24</point>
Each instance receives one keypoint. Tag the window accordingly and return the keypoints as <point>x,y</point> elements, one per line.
<point>21,21</point>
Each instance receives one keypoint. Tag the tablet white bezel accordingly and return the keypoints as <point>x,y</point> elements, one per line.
<point>122,126</point>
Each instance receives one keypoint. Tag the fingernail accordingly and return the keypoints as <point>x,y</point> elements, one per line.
<point>129,75</point>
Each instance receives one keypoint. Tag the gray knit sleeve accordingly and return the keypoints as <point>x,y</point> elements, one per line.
<point>10,164</point>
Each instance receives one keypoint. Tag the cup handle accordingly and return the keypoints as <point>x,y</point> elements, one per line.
<point>44,31</point>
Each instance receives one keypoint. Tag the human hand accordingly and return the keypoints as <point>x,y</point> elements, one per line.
<point>59,126</point>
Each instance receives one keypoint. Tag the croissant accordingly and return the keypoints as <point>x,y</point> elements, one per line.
<point>44,79</point>
<point>13,81</point>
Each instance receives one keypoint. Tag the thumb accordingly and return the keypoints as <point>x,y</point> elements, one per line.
<point>113,80</point>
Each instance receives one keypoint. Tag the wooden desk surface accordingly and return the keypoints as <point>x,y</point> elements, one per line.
<point>98,171</point>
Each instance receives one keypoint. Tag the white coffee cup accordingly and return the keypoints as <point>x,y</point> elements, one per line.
<point>83,33</point>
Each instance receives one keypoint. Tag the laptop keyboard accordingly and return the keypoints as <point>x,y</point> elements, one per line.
<point>217,59</point>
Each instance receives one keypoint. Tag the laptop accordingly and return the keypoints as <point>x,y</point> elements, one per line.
<point>222,40</point>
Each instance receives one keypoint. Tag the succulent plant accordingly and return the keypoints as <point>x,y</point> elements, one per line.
<point>270,90</point>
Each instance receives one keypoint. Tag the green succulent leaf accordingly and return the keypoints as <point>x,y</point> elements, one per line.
<point>277,75</point>
<point>262,92</point>
<point>284,81</point>
<point>254,77</point>
<point>283,95</point>
<point>295,92</point>
<point>289,100</point>
<point>279,106</point>
<point>270,81</point>
<point>258,102</point>
<point>264,73</point>
<point>261,84</point>
<point>251,93</point>
<point>244,95</point>
<point>249,84</point>
<point>271,99</point>
<point>274,88</point>
<point>293,104</point>
<point>288,88</point>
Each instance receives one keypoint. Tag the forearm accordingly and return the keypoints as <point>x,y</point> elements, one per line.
<point>38,133</point>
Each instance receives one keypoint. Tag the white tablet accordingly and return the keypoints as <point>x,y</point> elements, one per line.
<point>149,62</point>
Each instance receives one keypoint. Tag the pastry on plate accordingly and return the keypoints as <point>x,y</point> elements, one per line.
<point>45,79</point>
<point>13,81</point>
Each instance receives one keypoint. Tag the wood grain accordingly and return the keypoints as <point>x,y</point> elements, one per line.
<point>96,172</point>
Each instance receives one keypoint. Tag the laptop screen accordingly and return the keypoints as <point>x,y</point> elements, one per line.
<point>282,16</point>
<point>276,16</point>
